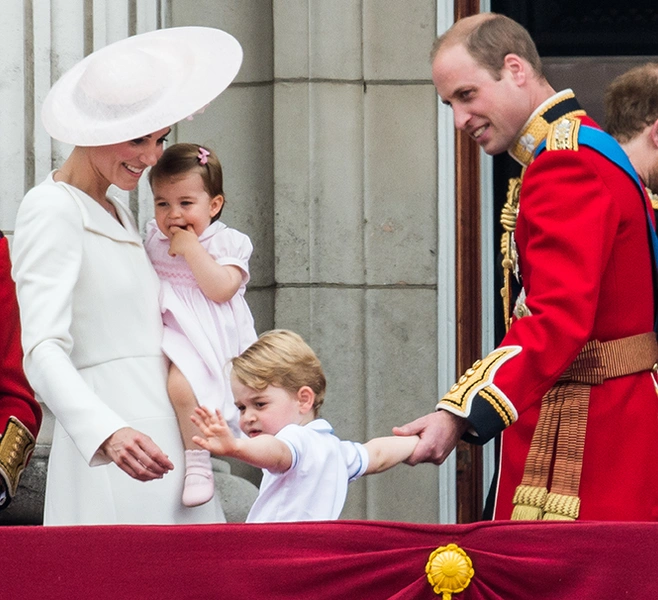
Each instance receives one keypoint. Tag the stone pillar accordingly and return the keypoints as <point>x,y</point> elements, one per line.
<point>355,166</point>
<point>238,126</point>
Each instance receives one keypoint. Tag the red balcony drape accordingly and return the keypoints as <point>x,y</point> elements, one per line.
<point>358,560</point>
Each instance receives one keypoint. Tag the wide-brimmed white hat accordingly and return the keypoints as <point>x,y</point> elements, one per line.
<point>140,84</point>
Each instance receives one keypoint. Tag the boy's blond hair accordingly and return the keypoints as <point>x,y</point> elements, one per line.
<point>283,359</point>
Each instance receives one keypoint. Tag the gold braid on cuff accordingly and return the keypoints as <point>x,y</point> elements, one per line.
<point>16,446</point>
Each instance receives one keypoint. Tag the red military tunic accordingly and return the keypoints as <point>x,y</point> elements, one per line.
<point>20,413</point>
<point>585,263</point>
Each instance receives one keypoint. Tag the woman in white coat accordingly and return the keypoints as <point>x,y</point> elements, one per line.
<point>87,293</point>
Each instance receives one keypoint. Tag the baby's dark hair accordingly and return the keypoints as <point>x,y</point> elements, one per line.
<point>181,159</point>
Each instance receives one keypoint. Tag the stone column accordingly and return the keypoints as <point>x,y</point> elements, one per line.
<point>355,166</point>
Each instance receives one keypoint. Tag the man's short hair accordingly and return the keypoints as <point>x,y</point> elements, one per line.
<point>489,38</point>
<point>283,359</point>
<point>631,102</point>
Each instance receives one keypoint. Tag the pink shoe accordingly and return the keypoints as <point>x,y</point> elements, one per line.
<point>199,481</point>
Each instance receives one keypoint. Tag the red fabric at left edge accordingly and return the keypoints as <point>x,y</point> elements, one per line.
<point>359,560</point>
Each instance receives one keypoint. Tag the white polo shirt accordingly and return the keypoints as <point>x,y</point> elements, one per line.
<point>314,488</point>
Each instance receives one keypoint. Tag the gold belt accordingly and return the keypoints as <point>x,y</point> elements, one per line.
<point>559,437</point>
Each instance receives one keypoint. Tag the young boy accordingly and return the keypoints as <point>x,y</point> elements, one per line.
<point>279,386</point>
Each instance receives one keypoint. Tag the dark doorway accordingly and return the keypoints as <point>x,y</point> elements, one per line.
<point>586,27</point>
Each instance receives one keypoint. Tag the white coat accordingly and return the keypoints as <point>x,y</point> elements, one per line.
<point>92,330</point>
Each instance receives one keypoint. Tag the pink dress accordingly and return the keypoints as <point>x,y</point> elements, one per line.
<point>200,335</point>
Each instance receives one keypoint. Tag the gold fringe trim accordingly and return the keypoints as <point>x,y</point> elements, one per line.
<point>555,517</point>
<point>560,507</point>
<point>527,513</point>
<point>529,503</point>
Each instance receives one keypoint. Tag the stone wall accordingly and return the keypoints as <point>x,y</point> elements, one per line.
<point>330,146</point>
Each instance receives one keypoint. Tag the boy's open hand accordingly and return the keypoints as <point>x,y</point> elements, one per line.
<point>217,438</point>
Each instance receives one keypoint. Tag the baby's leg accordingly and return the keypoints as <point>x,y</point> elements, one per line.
<point>199,480</point>
<point>184,402</point>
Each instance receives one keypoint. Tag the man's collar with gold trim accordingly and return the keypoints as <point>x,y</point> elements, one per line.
<point>562,104</point>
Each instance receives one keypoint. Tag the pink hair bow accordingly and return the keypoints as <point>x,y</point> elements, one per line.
<point>203,155</point>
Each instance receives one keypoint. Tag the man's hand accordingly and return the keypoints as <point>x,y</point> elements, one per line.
<point>439,433</point>
<point>137,454</point>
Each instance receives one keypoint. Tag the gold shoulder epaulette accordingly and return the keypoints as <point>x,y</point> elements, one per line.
<point>563,134</point>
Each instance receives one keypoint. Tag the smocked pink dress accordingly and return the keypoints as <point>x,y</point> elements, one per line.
<point>200,335</point>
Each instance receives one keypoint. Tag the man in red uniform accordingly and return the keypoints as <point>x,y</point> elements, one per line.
<point>20,414</point>
<point>580,345</point>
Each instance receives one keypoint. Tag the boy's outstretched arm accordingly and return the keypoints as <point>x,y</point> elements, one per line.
<point>386,452</point>
<point>264,451</point>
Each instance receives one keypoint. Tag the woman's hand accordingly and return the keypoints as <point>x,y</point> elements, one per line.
<point>137,454</point>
